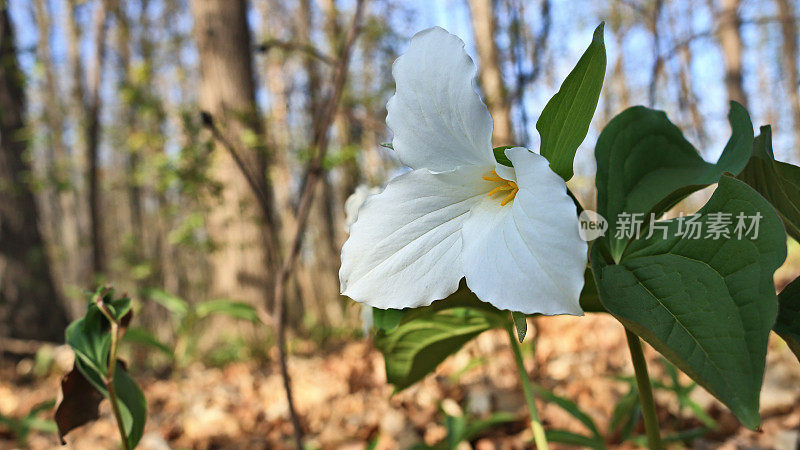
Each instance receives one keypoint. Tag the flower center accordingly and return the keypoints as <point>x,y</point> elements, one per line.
<point>507,187</point>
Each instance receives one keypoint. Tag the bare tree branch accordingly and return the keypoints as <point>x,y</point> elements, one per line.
<point>294,46</point>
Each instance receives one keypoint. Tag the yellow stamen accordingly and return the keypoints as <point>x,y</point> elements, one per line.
<point>509,197</point>
<point>507,185</point>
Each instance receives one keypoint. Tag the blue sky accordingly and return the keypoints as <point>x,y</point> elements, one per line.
<point>573,23</point>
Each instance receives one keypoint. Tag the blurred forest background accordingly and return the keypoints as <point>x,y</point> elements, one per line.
<point>110,173</point>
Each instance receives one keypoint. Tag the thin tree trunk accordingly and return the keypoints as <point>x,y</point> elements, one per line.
<point>658,61</point>
<point>730,39</point>
<point>93,140</point>
<point>131,154</point>
<point>243,225</point>
<point>63,230</point>
<point>30,306</point>
<point>53,120</point>
<point>491,76</point>
<point>789,51</point>
<point>80,217</point>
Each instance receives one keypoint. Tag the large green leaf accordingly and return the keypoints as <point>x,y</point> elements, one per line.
<point>705,304</point>
<point>788,323</point>
<point>644,165</point>
<point>566,118</point>
<point>777,181</point>
<point>416,347</point>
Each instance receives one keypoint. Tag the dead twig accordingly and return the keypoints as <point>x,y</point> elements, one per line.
<point>312,176</point>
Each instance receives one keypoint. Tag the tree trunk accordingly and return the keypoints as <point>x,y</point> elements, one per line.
<point>93,142</point>
<point>730,39</point>
<point>484,28</point>
<point>30,306</point>
<point>243,224</point>
<point>789,52</point>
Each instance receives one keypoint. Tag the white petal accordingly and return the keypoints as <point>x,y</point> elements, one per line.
<point>527,256</point>
<point>405,248</point>
<point>506,172</point>
<point>438,119</point>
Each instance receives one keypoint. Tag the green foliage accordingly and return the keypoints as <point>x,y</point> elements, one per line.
<point>22,427</point>
<point>645,165</point>
<point>187,320</point>
<point>520,323</point>
<point>386,319</point>
<point>500,155</point>
<point>705,304</point>
<point>594,440</point>
<point>788,323</point>
<point>627,411</point>
<point>140,336</point>
<point>95,339</point>
<point>777,181</point>
<point>466,428</point>
<point>566,117</point>
<point>416,347</point>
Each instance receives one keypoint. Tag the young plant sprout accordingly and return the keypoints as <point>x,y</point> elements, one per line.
<point>505,223</point>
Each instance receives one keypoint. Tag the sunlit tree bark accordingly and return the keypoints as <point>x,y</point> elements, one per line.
<point>243,224</point>
<point>730,39</point>
<point>489,71</point>
<point>786,11</point>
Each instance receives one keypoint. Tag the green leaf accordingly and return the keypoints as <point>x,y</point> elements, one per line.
<point>788,323</point>
<point>90,339</point>
<point>590,299</point>
<point>521,324</point>
<point>500,155</point>
<point>476,427</point>
<point>387,319</point>
<point>570,407</point>
<point>645,165</point>
<point>570,438</point>
<point>626,413</point>
<point>566,118</point>
<point>415,348</point>
<point>133,405</point>
<point>237,310</point>
<point>138,335</point>
<point>707,305</point>
<point>777,181</point>
<point>176,305</point>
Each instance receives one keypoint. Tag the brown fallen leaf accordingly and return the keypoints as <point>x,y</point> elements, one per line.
<point>79,403</point>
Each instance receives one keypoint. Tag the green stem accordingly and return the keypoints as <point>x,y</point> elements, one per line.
<point>112,394</point>
<point>645,391</point>
<point>536,425</point>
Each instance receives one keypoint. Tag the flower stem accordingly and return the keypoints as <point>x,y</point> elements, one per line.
<point>536,425</point>
<point>645,391</point>
<point>112,366</point>
<point>112,394</point>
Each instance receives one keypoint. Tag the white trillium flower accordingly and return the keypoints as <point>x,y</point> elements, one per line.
<point>512,232</point>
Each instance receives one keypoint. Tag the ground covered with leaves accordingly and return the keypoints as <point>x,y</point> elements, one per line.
<point>341,392</point>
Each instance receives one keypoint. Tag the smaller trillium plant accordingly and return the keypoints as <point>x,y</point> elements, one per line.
<point>501,219</point>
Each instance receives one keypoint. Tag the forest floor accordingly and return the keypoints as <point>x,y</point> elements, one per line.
<point>342,394</point>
